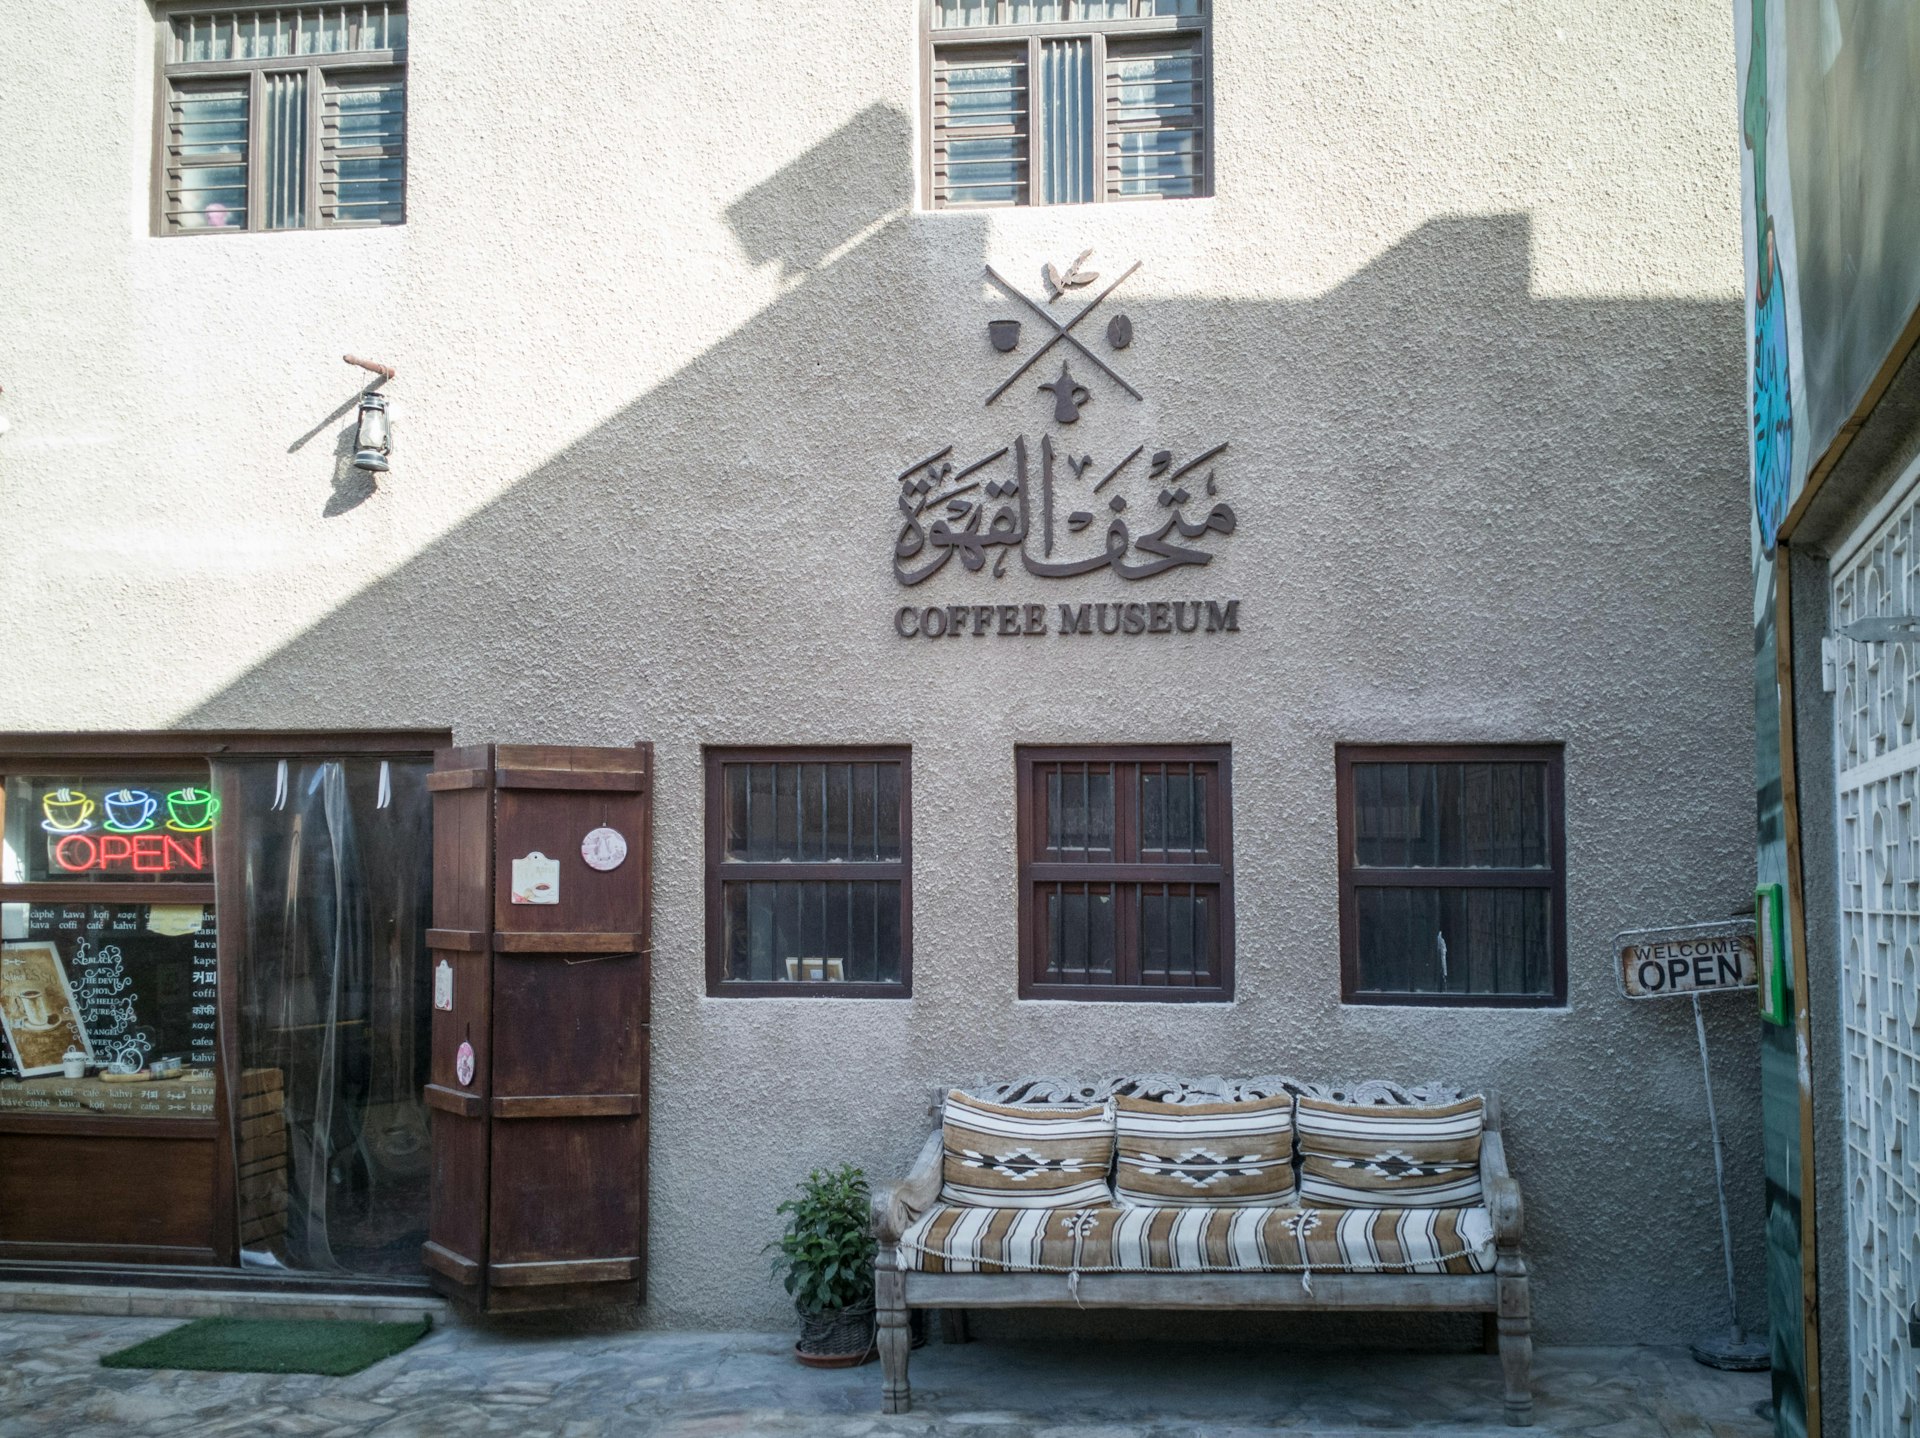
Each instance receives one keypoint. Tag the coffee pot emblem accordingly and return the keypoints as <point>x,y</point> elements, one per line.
<point>1067,396</point>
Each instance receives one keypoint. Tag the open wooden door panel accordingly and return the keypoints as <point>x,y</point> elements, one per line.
<point>540,1121</point>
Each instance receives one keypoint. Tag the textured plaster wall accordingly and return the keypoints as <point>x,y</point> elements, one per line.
<point>668,323</point>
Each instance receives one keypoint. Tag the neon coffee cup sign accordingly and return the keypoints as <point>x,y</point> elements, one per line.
<point>129,830</point>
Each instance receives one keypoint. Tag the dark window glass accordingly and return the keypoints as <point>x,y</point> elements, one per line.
<point>808,872</point>
<point>322,91</point>
<point>1126,886</point>
<point>1451,874</point>
<point>150,828</point>
<point>1045,102</point>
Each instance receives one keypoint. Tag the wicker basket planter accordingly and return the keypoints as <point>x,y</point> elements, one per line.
<point>838,1338</point>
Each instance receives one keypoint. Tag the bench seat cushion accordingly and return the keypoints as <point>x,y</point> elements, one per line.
<point>1204,1155</point>
<point>1107,1239</point>
<point>1367,1156</point>
<point>998,1155</point>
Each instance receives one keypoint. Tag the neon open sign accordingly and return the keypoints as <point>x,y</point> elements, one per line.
<point>131,853</point>
<point>128,829</point>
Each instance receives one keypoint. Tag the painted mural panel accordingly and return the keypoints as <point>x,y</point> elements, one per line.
<point>1776,405</point>
<point>1852,84</point>
<point>1830,183</point>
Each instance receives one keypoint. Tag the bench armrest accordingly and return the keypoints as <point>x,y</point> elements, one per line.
<point>898,1205</point>
<point>1503,1193</point>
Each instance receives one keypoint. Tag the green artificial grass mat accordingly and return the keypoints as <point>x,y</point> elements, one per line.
<point>272,1345</point>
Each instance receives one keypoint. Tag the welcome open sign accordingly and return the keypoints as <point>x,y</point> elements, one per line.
<point>1687,959</point>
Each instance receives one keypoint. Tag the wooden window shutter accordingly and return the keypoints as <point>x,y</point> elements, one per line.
<point>981,130</point>
<point>540,1063</point>
<point>1156,118</point>
<point>206,154</point>
<point>363,129</point>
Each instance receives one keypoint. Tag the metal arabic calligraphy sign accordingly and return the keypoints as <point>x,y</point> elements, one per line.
<point>1031,500</point>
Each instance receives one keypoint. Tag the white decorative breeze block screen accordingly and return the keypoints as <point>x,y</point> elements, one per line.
<point>1877,756</point>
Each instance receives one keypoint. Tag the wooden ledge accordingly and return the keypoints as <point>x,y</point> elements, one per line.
<point>570,1105</point>
<point>572,1270</point>
<point>448,1100</point>
<point>616,781</point>
<point>562,942</point>
<point>445,1260</point>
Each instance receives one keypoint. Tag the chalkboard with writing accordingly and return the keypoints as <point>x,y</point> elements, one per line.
<point>143,976</point>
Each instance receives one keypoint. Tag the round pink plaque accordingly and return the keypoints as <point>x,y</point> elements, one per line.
<point>604,849</point>
<point>463,1063</point>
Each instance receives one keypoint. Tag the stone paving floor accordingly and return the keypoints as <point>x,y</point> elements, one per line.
<point>462,1382</point>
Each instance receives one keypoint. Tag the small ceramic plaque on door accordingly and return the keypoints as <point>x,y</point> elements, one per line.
<point>604,849</point>
<point>443,986</point>
<point>536,879</point>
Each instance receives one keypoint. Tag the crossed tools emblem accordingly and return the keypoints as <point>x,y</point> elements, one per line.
<point>1061,332</point>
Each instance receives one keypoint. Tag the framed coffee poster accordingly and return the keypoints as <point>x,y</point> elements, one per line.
<point>36,1008</point>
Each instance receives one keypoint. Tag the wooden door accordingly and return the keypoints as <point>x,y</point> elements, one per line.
<point>540,1172</point>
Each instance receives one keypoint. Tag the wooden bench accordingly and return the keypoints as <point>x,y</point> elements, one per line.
<point>1501,1295</point>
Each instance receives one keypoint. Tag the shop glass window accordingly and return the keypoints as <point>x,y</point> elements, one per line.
<point>1126,875</point>
<point>1065,102</point>
<point>1452,875</point>
<point>109,972</point>
<point>329,903</point>
<point>292,1036</point>
<point>283,118</point>
<point>809,872</point>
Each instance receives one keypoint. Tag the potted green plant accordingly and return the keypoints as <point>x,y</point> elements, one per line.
<point>825,1259</point>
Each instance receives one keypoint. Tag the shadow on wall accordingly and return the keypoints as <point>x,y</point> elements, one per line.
<point>1422,445</point>
<point>821,202</point>
<point>1423,394</point>
<point>351,487</point>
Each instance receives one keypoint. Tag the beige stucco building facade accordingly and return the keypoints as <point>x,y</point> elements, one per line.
<point>670,316</point>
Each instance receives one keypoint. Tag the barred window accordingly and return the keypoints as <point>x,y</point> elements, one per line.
<point>1452,875</point>
<point>1126,875</point>
<point>809,873</point>
<point>1064,102</point>
<point>282,119</point>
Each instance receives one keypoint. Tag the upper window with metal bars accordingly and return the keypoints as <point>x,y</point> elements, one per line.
<point>1061,102</point>
<point>283,118</point>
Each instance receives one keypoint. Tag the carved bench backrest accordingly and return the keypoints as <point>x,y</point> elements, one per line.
<point>1210,1088</point>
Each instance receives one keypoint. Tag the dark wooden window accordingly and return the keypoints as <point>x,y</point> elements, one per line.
<point>281,117</point>
<point>1066,102</point>
<point>1126,873</point>
<point>809,873</point>
<point>1452,875</point>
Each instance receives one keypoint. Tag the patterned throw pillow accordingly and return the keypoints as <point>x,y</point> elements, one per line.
<point>1204,1155</point>
<point>1015,1156</point>
<point>1363,1156</point>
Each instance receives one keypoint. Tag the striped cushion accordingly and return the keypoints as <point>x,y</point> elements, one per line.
<point>949,1239</point>
<point>1010,1156</point>
<point>1357,1156</point>
<point>1204,1155</point>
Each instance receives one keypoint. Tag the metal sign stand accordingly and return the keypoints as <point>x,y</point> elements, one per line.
<point>1736,1350</point>
<point>1687,960</point>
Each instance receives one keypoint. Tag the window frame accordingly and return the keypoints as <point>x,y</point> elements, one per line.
<point>1352,876</point>
<point>1035,870</point>
<point>254,70</point>
<point>720,870</point>
<point>1002,37</point>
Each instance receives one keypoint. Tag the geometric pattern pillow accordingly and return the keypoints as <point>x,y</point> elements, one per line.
<point>1011,1156</point>
<point>1359,1156</point>
<point>1204,1155</point>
